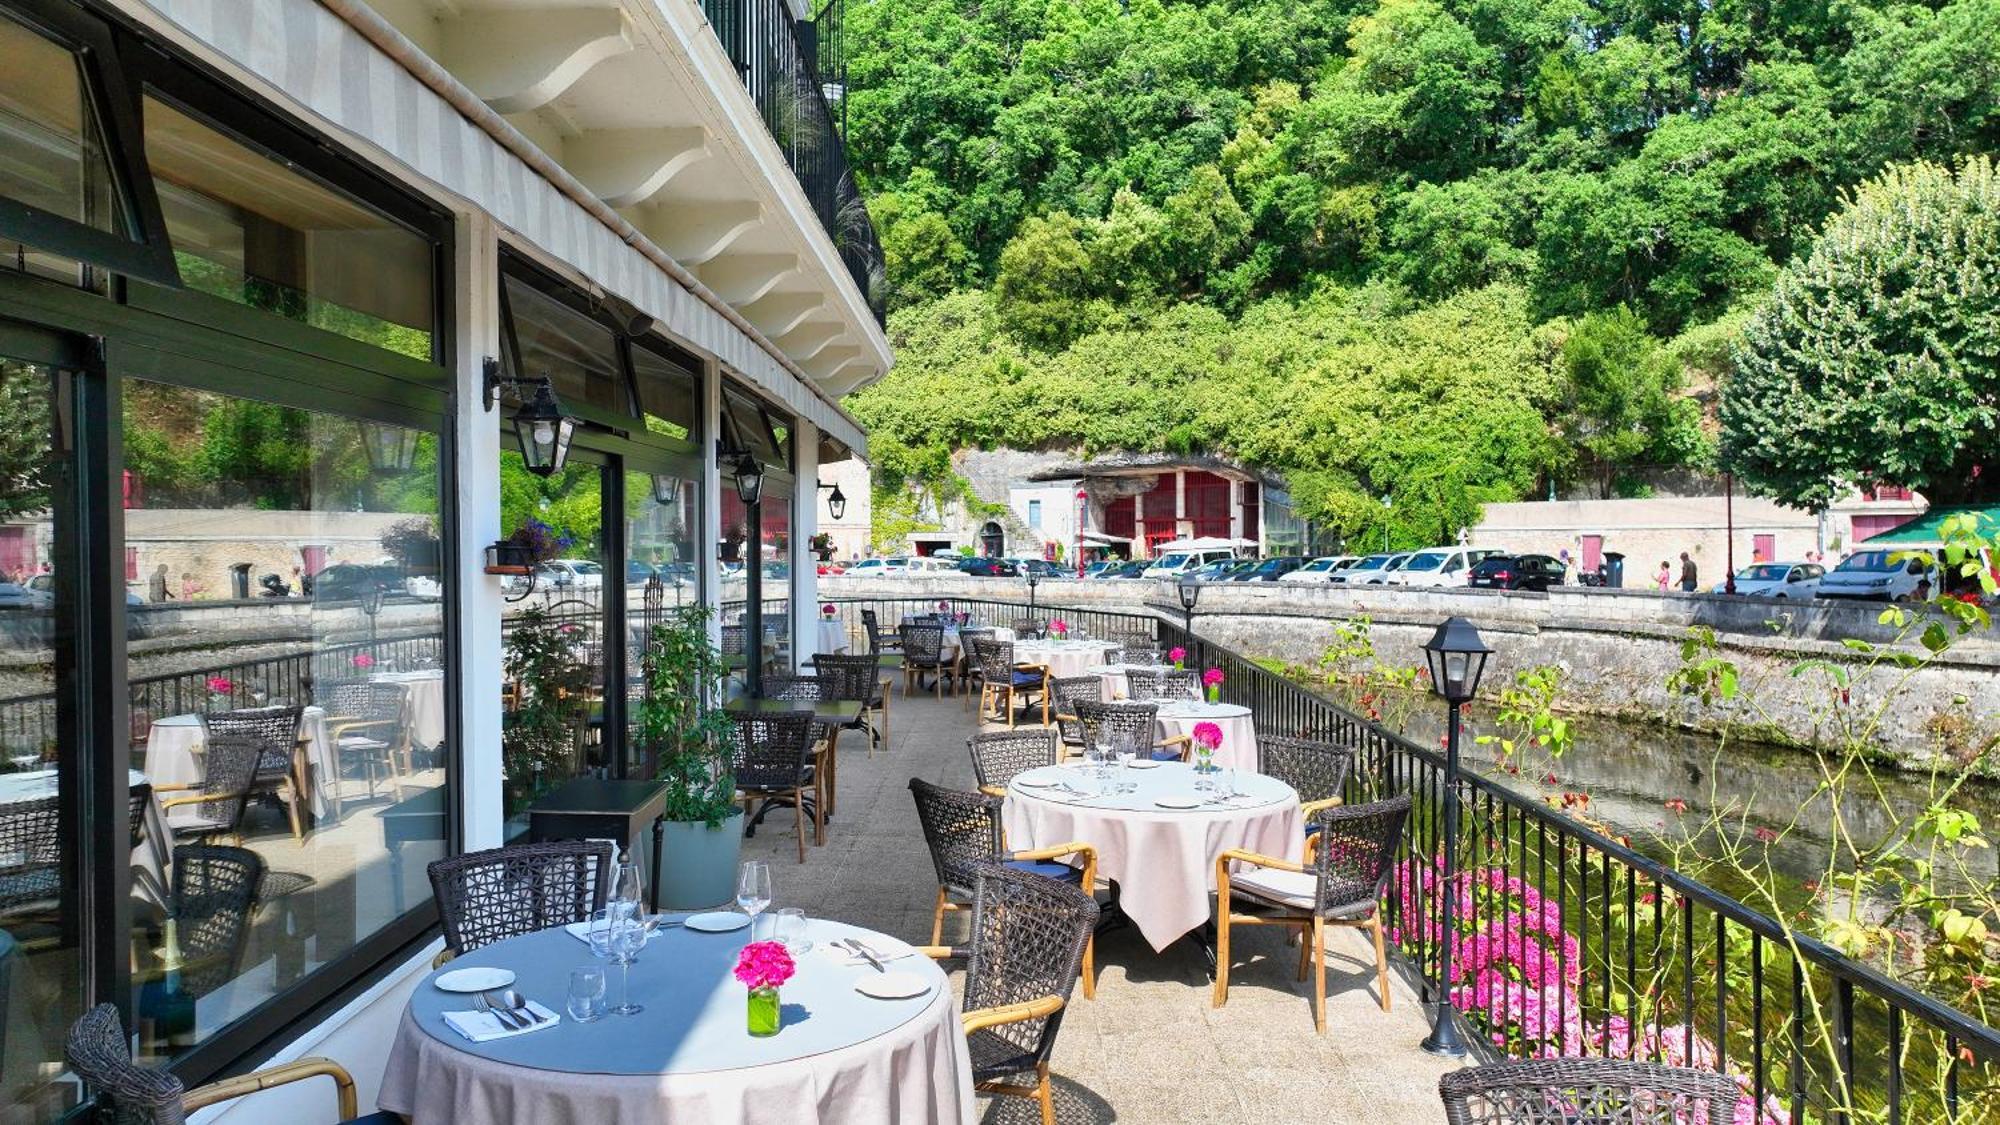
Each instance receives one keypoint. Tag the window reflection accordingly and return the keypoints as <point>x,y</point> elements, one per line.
<point>669,393</point>
<point>575,352</point>
<point>287,696</point>
<point>660,527</point>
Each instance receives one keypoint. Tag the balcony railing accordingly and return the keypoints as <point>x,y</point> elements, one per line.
<point>792,70</point>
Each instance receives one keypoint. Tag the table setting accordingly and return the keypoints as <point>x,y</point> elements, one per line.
<point>1233,722</point>
<point>1158,828</point>
<point>729,1016</point>
<point>1063,657</point>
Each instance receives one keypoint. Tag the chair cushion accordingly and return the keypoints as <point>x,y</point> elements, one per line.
<point>1160,755</point>
<point>1285,888</point>
<point>1048,868</point>
<point>379,1117</point>
<point>994,1057</point>
<point>1027,679</point>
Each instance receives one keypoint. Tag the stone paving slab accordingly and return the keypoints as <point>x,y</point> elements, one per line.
<point>1149,1049</point>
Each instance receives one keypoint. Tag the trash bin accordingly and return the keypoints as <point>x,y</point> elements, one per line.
<point>239,581</point>
<point>1614,570</point>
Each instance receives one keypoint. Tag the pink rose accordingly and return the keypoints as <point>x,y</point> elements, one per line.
<point>1058,626</point>
<point>1207,735</point>
<point>764,964</point>
<point>828,610</point>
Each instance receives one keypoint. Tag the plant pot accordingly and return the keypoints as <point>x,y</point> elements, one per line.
<point>825,554</point>
<point>509,558</point>
<point>698,866</point>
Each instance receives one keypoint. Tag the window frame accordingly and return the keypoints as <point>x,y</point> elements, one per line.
<point>142,251</point>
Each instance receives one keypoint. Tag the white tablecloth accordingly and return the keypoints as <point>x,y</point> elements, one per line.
<point>1239,731</point>
<point>1063,658</point>
<point>952,644</point>
<point>832,638</point>
<point>1116,685</point>
<point>1163,860</point>
<point>176,743</point>
<point>839,1058</point>
<point>426,704</point>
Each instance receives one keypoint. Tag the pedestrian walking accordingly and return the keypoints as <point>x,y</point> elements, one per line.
<point>1688,574</point>
<point>1665,577</point>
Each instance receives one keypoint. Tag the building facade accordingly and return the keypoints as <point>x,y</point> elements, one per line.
<point>284,289</point>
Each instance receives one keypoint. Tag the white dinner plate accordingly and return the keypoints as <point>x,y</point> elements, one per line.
<point>1026,784</point>
<point>1177,803</point>
<point>474,980</point>
<point>718,922</point>
<point>891,986</point>
<point>1145,764</point>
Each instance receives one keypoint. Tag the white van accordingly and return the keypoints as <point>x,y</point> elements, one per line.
<point>1173,564</point>
<point>873,568</point>
<point>1877,575</point>
<point>1439,566</point>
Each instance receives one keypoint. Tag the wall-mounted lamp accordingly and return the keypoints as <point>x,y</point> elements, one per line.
<point>391,449</point>
<point>749,478</point>
<point>836,504</point>
<point>542,428</point>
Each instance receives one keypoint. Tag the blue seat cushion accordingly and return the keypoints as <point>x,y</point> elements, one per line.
<point>1047,867</point>
<point>1028,679</point>
<point>1160,755</point>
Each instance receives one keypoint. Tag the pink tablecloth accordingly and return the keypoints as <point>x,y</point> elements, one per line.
<point>1239,731</point>
<point>1163,860</point>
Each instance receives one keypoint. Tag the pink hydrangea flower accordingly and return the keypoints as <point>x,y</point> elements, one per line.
<point>1058,626</point>
<point>1177,654</point>
<point>220,685</point>
<point>1207,734</point>
<point>764,964</point>
<point>1212,678</point>
<point>363,660</point>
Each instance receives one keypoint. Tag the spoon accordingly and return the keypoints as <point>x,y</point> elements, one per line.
<point>502,1016</point>
<point>517,1006</point>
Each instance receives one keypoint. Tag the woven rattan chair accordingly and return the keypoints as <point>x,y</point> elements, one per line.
<point>859,679</point>
<point>1141,656</point>
<point>99,1051</point>
<point>877,643</point>
<point>499,893</point>
<point>1316,770</point>
<point>1065,692</point>
<point>366,721</point>
<point>1030,934</point>
<point>963,833</point>
<point>923,651</point>
<point>1002,682</point>
<point>215,889</point>
<point>1586,1092</point>
<point>1028,628</point>
<point>1340,886</point>
<point>1127,723</point>
<point>1163,684</point>
<point>30,853</point>
<point>969,640</point>
<point>276,730</point>
<point>1130,639</point>
<point>772,758</point>
<point>223,794</point>
<point>1001,755</point>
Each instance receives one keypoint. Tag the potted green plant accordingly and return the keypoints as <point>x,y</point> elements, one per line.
<point>822,545</point>
<point>683,726</point>
<point>539,737</point>
<point>413,543</point>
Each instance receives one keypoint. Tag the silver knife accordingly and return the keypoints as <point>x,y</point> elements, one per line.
<point>865,955</point>
<point>505,1018</point>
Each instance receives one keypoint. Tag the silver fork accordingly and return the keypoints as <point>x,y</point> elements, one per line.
<point>505,1018</point>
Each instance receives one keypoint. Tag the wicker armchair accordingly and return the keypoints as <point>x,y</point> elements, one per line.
<point>1128,724</point>
<point>1146,655</point>
<point>1163,684</point>
<point>923,651</point>
<point>1316,770</point>
<point>1002,681</point>
<point>366,721</point>
<point>1001,755</point>
<point>1029,935</point>
<point>1341,886</point>
<point>1586,1092</point>
<point>1065,692</point>
<point>963,833</point>
<point>30,853</point>
<point>1028,628</point>
<point>276,730</point>
<point>223,794</point>
<point>877,644</point>
<point>498,893</point>
<point>215,889</point>
<point>969,640</point>
<point>772,759</point>
<point>859,679</point>
<point>100,1053</point>
<point>1130,639</point>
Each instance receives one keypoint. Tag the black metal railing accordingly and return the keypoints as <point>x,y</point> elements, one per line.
<point>796,72</point>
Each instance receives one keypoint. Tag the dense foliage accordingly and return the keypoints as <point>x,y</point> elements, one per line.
<point>1269,227</point>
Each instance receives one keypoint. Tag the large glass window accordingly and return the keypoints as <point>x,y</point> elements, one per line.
<point>248,229</point>
<point>669,393</point>
<point>287,698</point>
<point>41,981</point>
<point>577,353</point>
<point>662,520</point>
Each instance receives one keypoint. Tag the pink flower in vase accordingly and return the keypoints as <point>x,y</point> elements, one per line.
<point>221,685</point>
<point>764,964</point>
<point>1178,655</point>
<point>363,661</point>
<point>1212,678</point>
<point>828,610</point>
<point>1059,627</point>
<point>1207,735</point>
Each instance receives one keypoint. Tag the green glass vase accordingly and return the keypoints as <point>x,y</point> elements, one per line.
<point>764,1017</point>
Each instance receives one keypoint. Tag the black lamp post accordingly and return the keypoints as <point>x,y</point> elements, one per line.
<point>371,604</point>
<point>1190,594</point>
<point>750,490</point>
<point>1457,657</point>
<point>1033,581</point>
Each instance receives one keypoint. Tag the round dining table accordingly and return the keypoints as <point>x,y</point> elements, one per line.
<point>1239,731</point>
<point>830,638</point>
<point>839,1057</point>
<point>1116,684</point>
<point>1162,858</point>
<point>1063,658</point>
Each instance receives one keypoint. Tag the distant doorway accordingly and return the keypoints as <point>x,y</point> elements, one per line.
<point>992,540</point>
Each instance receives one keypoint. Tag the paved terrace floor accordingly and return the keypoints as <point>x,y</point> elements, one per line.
<point>1149,1050</point>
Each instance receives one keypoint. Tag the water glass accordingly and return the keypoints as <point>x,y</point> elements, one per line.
<point>586,994</point>
<point>789,928</point>
<point>753,890</point>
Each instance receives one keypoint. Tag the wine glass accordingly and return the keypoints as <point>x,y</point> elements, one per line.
<point>615,937</point>
<point>627,889</point>
<point>753,890</point>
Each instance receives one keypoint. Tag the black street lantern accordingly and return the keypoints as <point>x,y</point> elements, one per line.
<point>1457,658</point>
<point>749,479</point>
<point>666,489</point>
<point>545,431</point>
<point>1190,594</point>
<point>390,449</point>
<point>836,504</point>
<point>1034,580</point>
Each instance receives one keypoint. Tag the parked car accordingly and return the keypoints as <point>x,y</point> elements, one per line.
<point>1777,580</point>
<point>1517,572</point>
<point>934,564</point>
<point>1209,571</point>
<point>1133,569</point>
<point>1040,568</point>
<point>979,567</point>
<point>1102,568</point>
<point>1269,570</point>
<point>1173,564</point>
<point>1318,571</point>
<point>1877,576</point>
<point>1440,566</point>
<point>349,581</point>
<point>875,568</point>
<point>13,595</point>
<point>1364,569</point>
<point>576,574</point>
<point>638,573</point>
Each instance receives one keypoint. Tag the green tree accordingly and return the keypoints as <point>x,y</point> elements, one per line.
<point>924,258</point>
<point>1619,404</point>
<point>1874,358</point>
<point>24,440</point>
<point>1044,291</point>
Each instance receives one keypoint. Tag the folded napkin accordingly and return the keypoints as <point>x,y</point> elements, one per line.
<point>886,949</point>
<point>483,1026</point>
